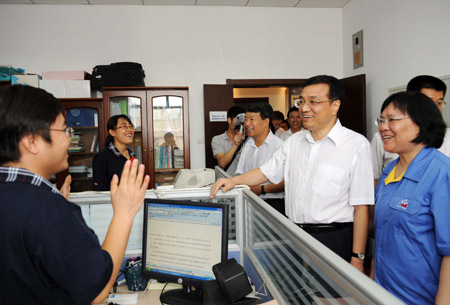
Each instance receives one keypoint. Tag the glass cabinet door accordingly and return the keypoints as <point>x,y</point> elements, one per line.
<point>83,146</point>
<point>168,136</point>
<point>132,107</point>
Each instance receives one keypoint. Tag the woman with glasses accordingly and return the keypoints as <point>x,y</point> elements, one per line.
<point>412,202</point>
<point>112,158</point>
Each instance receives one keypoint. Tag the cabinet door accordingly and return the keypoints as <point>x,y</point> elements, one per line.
<point>132,104</point>
<point>84,116</point>
<point>170,134</point>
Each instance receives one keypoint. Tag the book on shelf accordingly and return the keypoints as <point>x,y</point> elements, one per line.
<point>165,157</point>
<point>94,143</point>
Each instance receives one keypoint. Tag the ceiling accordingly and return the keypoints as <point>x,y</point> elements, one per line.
<point>240,3</point>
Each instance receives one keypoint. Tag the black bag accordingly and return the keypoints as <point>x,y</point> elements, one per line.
<point>119,74</point>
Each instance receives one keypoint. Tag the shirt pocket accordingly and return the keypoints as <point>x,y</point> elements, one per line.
<point>328,180</point>
<point>405,205</point>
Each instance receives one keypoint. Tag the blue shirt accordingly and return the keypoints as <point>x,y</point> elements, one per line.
<point>48,254</point>
<point>412,227</point>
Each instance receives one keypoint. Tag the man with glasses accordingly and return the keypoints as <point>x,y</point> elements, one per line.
<point>49,255</point>
<point>327,172</point>
<point>435,89</point>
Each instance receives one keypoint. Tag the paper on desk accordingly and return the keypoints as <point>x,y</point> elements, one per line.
<point>123,298</point>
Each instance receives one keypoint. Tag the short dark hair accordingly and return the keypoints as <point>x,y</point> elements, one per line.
<point>25,110</point>
<point>234,111</point>
<point>112,124</point>
<point>292,109</point>
<point>277,115</point>
<point>424,113</point>
<point>264,109</point>
<point>336,90</point>
<point>426,82</point>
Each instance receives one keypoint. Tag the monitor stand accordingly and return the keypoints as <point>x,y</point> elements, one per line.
<point>184,296</point>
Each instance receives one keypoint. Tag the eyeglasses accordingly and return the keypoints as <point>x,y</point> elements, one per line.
<point>125,127</point>
<point>312,103</point>
<point>441,103</point>
<point>381,121</point>
<point>69,131</point>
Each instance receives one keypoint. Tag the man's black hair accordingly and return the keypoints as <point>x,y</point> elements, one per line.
<point>426,82</point>
<point>25,110</point>
<point>264,109</point>
<point>234,111</point>
<point>277,115</point>
<point>336,89</point>
<point>292,109</point>
<point>423,112</point>
<point>112,125</point>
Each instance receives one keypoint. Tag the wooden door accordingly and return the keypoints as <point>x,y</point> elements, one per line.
<point>353,110</point>
<point>215,98</point>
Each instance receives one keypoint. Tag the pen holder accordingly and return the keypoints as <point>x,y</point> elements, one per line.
<point>134,279</point>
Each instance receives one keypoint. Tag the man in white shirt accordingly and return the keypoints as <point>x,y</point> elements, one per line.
<point>435,89</point>
<point>295,123</point>
<point>226,146</point>
<point>327,172</point>
<point>258,149</point>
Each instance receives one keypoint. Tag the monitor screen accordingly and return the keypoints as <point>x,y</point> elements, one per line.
<point>182,240</point>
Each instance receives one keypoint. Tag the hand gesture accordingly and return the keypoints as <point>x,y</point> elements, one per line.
<point>128,195</point>
<point>237,139</point>
<point>65,189</point>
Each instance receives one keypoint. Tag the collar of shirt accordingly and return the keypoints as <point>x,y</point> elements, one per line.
<point>414,171</point>
<point>21,175</point>
<point>334,135</point>
<point>266,140</point>
<point>117,152</point>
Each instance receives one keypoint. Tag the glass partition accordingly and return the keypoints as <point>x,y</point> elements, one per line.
<point>294,267</point>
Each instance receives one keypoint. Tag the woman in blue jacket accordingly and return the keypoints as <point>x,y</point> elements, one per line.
<point>412,202</point>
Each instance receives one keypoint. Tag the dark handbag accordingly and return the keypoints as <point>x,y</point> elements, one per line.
<point>119,74</point>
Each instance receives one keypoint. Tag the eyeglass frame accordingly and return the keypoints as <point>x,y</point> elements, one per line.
<point>125,127</point>
<point>68,130</point>
<point>381,121</point>
<point>311,103</point>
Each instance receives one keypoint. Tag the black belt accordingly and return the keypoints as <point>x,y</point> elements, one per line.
<point>324,227</point>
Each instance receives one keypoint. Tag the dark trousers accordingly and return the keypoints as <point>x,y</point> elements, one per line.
<point>277,204</point>
<point>339,239</point>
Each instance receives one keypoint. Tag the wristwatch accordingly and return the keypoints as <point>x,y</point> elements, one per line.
<point>263,192</point>
<point>359,256</point>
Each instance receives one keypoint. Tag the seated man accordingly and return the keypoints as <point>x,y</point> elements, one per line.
<point>260,148</point>
<point>49,255</point>
<point>226,146</point>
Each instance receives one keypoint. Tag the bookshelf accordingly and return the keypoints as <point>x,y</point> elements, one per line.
<point>161,118</point>
<point>85,116</point>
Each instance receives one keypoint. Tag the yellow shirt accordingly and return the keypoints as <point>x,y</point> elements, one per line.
<point>391,177</point>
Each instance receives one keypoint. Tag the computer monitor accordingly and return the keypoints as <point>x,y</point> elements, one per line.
<point>182,241</point>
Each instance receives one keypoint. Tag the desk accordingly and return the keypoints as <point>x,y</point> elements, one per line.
<point>149,297</point>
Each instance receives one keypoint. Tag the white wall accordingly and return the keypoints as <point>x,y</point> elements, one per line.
<point>402,39</point>
<point>179,46</point>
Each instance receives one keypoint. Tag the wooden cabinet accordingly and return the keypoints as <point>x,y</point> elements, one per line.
<point>161,139</point>
<point>86,117</point>
<point>161,119</point>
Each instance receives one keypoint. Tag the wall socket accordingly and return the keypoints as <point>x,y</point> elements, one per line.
<point>357,42</point>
